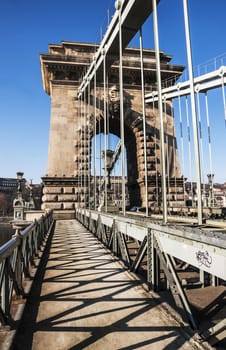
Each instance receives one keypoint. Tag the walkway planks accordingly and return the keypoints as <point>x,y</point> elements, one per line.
<point>83,299</point>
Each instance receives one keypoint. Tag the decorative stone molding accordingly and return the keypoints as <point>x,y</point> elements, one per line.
<point>68,160</point>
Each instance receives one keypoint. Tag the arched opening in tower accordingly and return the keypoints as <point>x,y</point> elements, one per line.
<point>111,141</point>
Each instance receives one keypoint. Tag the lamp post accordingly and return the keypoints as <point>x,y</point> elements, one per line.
<point>107,158</point>
<point>107,203</point>
<point>31,198</point>
<point>19,180</point>
<point>18,203</point>
<point>211,196</point>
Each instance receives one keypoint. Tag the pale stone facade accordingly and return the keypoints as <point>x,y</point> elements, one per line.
<point>72,125</point>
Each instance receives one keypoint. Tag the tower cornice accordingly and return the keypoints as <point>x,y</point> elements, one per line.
<point>67,62</point>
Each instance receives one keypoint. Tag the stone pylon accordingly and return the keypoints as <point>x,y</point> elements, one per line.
<point>68,182</point>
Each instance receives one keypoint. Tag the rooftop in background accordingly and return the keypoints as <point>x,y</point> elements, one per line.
<point>9,183</point>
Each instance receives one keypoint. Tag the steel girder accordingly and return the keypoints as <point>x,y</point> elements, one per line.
<point>162,244</point>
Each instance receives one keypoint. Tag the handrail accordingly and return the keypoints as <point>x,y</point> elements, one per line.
<point>16,258</point>
<point>202,248</point>
<point>7,248</point>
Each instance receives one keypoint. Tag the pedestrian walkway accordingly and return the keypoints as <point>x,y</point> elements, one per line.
<point>83,299</point>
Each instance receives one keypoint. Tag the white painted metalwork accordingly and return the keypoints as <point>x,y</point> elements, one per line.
<point>95,142</point>
<point>209,134</point>
<point>202,83</point>
<point>222,72</point>
<point>130,9</point>
<point>81,156</point>
<point>89,155</point>
<point>200,248</point>
<point>119,3</point>
<point>105,130</point>
<point>200,135</point>
<point>203,249</point>
<point>144,121</point>
<point>132,230</point>
<point>160,111</point>
<point>181,133</point>
<point>201,255</point>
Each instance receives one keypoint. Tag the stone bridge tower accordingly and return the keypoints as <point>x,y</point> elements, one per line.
<point>62,68</point>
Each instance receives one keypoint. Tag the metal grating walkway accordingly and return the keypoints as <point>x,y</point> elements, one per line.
<point>83,299</point>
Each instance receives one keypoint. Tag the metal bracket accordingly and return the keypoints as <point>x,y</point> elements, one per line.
<point>123,247</point>
<point>174,282</point>
<point>140,255</point>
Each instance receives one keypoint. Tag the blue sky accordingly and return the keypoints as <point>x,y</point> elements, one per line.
<point>26,29</point>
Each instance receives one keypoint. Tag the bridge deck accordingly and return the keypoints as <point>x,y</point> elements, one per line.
<point>83,299</point>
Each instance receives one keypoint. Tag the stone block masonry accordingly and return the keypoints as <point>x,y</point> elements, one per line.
<point>67,182</point>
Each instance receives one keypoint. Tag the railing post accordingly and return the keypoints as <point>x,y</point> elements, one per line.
<point>19,265</point>
<point>115,240</point>
<point>17,256</point>
<point>5,292</point>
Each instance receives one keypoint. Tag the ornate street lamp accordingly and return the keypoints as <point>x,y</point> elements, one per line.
<point>18,203</point>
<point>107,159</point>
<point>106,200</point>
<point>19,181</point>
<point>31,199</point>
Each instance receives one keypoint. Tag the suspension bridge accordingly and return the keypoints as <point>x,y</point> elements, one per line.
<point>109,276</point>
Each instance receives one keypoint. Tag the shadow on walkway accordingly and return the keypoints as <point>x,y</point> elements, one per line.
<point>82,299</point>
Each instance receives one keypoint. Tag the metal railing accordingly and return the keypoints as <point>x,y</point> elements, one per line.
<point>16,258</point>
<point>142,243</point>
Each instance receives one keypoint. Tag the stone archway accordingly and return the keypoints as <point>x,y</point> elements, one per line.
<point>70,126</point>
<point>134,144</point>
<point>131,160</point>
